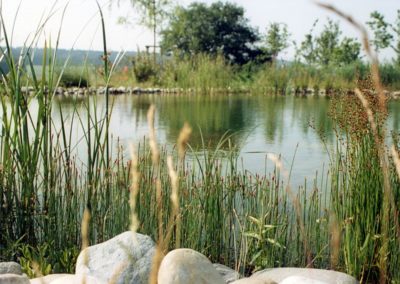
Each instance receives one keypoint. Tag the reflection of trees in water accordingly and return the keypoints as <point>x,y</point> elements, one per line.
<point>216,115</point>
<point>313,111</point>
<point>279,114</point>
<point>209,116</point>
<point>272,111</point>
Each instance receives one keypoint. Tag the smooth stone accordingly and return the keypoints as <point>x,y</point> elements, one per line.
<point>126,258</point>
<point>13,279</point>
<point>48,278</point>
<point>324,276</point>
<point>300,280</point>
<point>137,90</point>
<point>121,90</point>
<point>183,266</point>
<point>77,279</point>
<point>251,280</point>
<point>10,268</point>
<point>228,274</point>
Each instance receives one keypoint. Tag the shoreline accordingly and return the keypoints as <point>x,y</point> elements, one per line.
<point>84,91</point>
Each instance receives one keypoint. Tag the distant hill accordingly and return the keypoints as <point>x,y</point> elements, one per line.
<point>76,57</point>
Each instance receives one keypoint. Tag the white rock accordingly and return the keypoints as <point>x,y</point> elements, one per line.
<point>13,279</point>
<point>126,258</point>
<point>183,266</point>
<point>48,278</point>
<point>121,90</point>
<point>77,279</point>
<point>300,280</point>
<point>10,268</point>
<point>254,280</point>
<point>228,274</point>
<point>320,275</point>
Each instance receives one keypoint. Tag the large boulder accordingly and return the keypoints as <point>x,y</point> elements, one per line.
<point>13,279</point>
<point>254,280</point>
<point>126,258</point>
<point>77,279</point>
<point>300,280</point>
<point>48,278</point>
<point>299,275</point>
<point>183,266</point>
<point>10,268</point>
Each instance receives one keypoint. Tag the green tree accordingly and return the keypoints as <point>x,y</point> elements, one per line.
<point>277,39</point>
<point>306,51</point>
<point>385,34</point>
<point>347,52</point>
<point>380,28</point>
<point>329,47</point>
<point>327,43</point>
<point>220,28</point>
<point>152,14</point>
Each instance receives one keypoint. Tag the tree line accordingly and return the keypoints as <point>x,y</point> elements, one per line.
<point>222,28</point>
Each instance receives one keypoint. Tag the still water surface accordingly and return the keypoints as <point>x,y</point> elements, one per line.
<point>259,125</point>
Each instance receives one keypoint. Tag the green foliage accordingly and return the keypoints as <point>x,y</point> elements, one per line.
<point>264,236</point>
<point>357,190</point>
<point>382,37</point>
<point>34,261</point>
<point>220,28</point>
<point>390,75</point>
<point>277,39</point>
<point>152,13</point>
<point>347,52</point>
<point>43,259</point>
<point>306,51</point>
<point>200,72</point>
<point>329,48</point>
<point>327,42</point>
<point>144,68</point>
<point>74,77</point>
<point>385,34</point>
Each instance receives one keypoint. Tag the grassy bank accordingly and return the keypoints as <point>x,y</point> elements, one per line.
<point>206,74</point>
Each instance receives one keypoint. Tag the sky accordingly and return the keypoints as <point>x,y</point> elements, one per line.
<point>81,25</point>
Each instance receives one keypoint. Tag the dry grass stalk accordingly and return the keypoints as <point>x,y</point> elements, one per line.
<point>155,153</point>
<point>134,189</point>
<point>183,138</point>
<point>175,203</point>
<point>37,271</point>
<point>85,239</point>
<point>174,219</point>
<point>335,241</point>
<point>396,159</point>
<point>155,156</point>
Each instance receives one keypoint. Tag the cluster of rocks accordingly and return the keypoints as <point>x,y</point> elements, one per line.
<point>75,91</point>
<point>128,258</point>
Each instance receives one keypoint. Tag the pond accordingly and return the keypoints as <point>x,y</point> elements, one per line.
<point>297,128</point>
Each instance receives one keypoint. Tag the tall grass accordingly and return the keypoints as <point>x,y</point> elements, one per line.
<point>201,73</point>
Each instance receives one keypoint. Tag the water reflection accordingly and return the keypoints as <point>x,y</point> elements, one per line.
<point>261,124</point>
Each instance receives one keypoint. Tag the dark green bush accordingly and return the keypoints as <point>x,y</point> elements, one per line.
<point>74,78</point>
<point>144,68</point>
